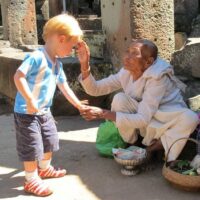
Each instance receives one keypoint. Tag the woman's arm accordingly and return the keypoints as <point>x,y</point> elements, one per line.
<point>91,86</point>
<point>149,105</point>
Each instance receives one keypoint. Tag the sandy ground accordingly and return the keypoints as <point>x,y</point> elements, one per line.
<point>91,177</point>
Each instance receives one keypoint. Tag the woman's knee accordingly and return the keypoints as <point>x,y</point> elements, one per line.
<point>189,118</point>
<point>119,102</point>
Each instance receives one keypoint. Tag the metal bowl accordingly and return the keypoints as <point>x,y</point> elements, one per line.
<point>129,162</point>
<point>130,167</point>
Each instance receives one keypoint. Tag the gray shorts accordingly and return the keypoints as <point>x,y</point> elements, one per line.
<point>36,135</point>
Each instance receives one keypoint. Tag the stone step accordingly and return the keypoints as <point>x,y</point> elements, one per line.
<point>96,40</point>
<point>9,50</point>
<point>87,16</point>
<point>4,44</point>
<point>90,22</point>
<point>29,48</point>
<point>1,32</point>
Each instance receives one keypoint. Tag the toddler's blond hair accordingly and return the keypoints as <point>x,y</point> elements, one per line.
<point>63,24</point>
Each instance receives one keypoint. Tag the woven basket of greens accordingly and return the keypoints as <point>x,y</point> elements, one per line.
<point>179,172</point>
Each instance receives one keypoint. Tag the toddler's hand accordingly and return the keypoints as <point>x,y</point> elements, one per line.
<point>84,106</point>
<point>32,107</point>
<point>92,113</point>
<point>85,102</point>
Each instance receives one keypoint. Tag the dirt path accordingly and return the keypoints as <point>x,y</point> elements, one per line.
<point>91,177</point>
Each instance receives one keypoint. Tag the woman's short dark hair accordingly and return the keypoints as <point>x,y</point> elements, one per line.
<point>148,45</point>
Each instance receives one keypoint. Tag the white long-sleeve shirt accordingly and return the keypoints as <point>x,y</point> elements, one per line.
<point>156,91</point>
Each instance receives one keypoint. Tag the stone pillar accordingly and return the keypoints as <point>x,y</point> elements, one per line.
<point>149,19</point>
<point>42,8</point>
<point>19,22</point>
<point>55,7</point>
<point>4,12</point>
<point>42,13</point>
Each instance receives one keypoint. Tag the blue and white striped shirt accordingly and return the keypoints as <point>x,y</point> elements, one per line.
<point>42,75</point>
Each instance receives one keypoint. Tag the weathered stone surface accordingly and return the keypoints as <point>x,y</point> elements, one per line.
<point>9,50</point>
<point>116,25</point>
<point>185,12</point>
<point>195,27</point>
<point>96,40</point>
<point>9,63</point>
<point>193,88</point>
<point>5,105</point>
<point>42,15</point>
<point>42,8</point>
<point>180,40</point>
<point>90,23</point>
<point>4,44</point>
<point>1,32</point>
<point>19,22</point>
<point>187,60</point>
<point>29,48</point>
<point>55,7</point>
<point>150,19</point>
<point>154,20</point>
<point>4,12</point>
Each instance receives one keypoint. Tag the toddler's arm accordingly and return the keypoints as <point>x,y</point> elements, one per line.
<point>23,88</point>
<point>70,96</point>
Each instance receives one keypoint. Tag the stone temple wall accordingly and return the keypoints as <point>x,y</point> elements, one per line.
<point>131,19</point>
<point>19,21</point>
<point>154,20</point>
<point>186,58</point>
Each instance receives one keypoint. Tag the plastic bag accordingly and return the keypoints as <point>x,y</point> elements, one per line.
<point>108,137</point>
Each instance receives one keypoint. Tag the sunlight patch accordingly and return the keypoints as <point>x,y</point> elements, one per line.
<point>6,170</point>
<point>72,187</point>
<point>86,135</point>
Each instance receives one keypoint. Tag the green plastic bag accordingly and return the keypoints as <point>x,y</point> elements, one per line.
<point>108,137</point>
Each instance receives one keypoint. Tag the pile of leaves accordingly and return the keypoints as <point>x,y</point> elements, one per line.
<point>183,167</point>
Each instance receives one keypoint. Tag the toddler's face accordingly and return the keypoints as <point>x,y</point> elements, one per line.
<point>65,46</point>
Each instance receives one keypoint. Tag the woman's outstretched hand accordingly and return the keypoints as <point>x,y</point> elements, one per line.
<point>83,53</point>
<point>92,113</point>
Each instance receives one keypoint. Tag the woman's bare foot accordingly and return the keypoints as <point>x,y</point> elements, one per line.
<point>156,146</point>
<point>150,162</point>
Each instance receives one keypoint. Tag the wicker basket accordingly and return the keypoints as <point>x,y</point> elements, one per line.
<point>185,182</point>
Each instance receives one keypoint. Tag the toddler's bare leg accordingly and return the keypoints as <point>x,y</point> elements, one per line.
<point>30,166</point>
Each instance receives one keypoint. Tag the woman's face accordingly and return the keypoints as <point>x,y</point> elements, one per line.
<point>133,60</point>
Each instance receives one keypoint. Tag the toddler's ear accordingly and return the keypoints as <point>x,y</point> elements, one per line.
<point>62,38</point>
